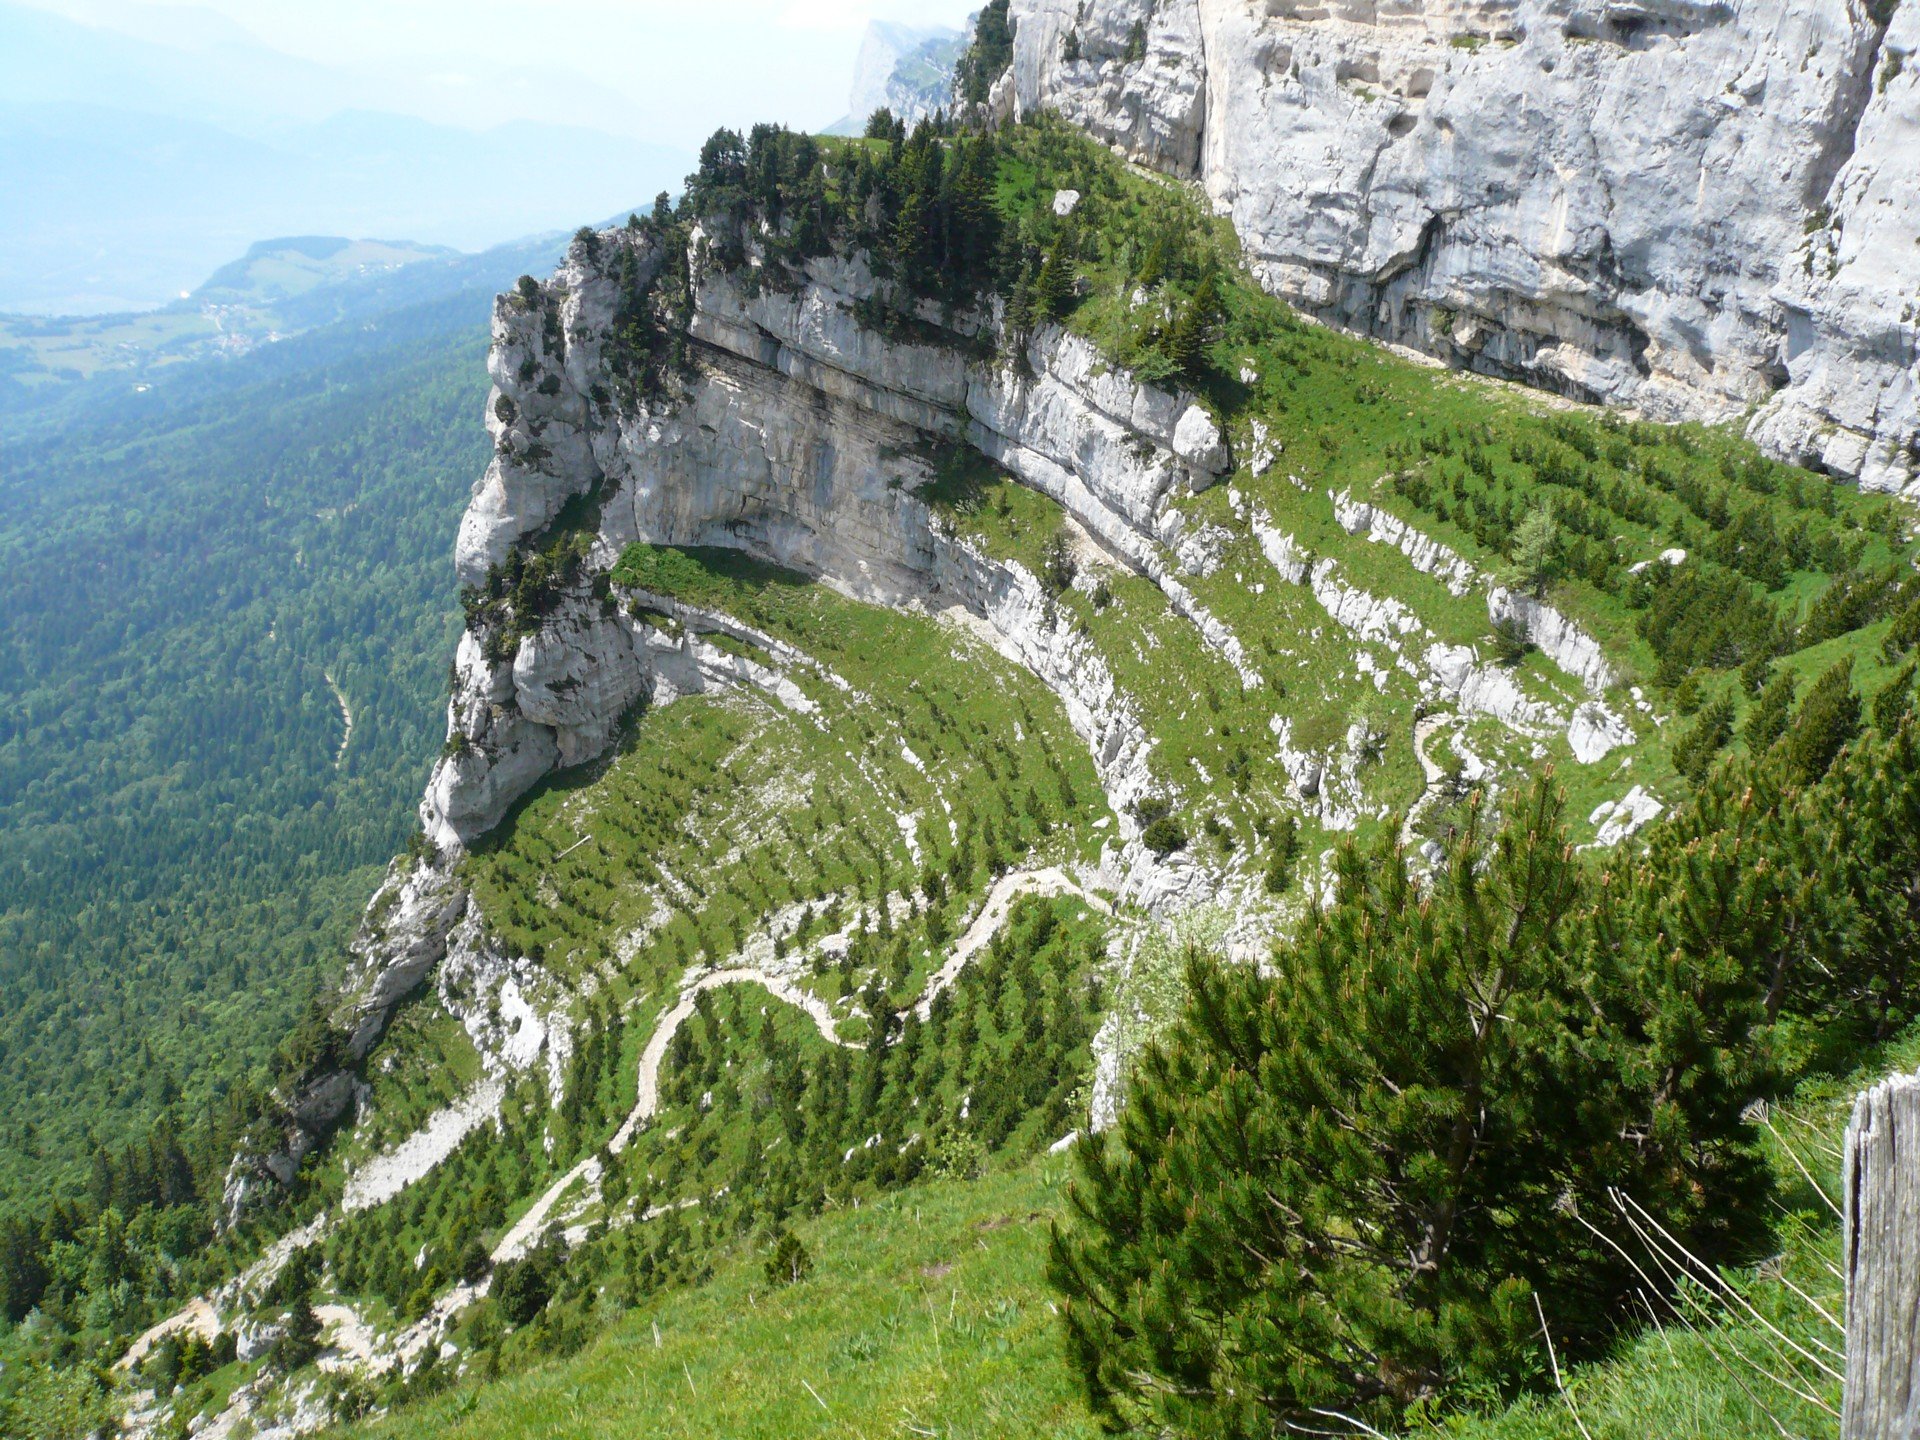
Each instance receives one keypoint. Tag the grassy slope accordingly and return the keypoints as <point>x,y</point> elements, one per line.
<point>718,812</point>
<point>1340,414</point>
<point>927,1309</point>
<point>891,1340</point>
<point>728,807</point>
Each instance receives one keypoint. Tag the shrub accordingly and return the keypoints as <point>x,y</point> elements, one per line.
<point>522,1288</point>
<point>1510,641</point>
<point>1164,836</point>
<point>1345,1181</point>
<point>789,1263</point>
<point>1059,568</point>
<point>1286,850</point>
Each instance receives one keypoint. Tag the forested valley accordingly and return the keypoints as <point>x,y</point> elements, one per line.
<point>199,583</point>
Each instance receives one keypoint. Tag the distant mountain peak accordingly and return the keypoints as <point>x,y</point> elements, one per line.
<point>908,69</point>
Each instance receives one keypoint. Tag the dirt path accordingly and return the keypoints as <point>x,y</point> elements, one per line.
<point>346,715</point>
<point>202,1313</point>
<point>993,914</point>
<point>199,1318</point>
<point>1424,730</point>
<point>357,1346</point>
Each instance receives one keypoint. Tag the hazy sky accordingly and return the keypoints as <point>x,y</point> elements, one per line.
<point>665,70</point>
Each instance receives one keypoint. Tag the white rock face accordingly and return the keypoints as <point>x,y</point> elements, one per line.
<point>800,440</point>
<point>1595,731</point>
<point>1852,303</point>
<point>1428,555</point>
<point>1562,641</point>
<point>1690,206</point>
<point>545,362</point>
<point>402,936</point>
<point>1442,671</point>
<point>1619,819</point>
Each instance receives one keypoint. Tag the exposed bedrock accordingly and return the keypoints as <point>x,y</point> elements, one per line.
<point>801,437</point>
<point>1700,208</point>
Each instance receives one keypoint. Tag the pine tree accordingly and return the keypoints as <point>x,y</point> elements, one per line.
<point>1827,719</point>
<point>1695,751</point>
<point>300,1341</point>
<point>1186,341</point>
<point>788,1263</point>
<point>1536,551</point>
<point>300,1336</point>
<point>1767,720</point>
<point>989,54</point>
<point>1053,290</point>
<point>1895,701</point>
<point>1345,1182</point>
<point>1904,633</point>
<point>1851,845</point>
<point>23,1268</point>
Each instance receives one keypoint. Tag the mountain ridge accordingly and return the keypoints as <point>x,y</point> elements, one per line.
<point>897,525</point>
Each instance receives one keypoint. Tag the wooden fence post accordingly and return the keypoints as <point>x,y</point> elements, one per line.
<point>1882,1259</point>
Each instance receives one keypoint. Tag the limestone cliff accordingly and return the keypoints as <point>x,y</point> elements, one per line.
<point>801,435</point>
<point>907,69</point>
<point>1702,210</point>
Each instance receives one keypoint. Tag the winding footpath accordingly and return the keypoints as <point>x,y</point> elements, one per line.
<point>354,1345</point>
<point>1424,729</point>
<point>978,934</point>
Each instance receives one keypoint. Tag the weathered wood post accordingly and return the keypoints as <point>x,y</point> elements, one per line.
<point>1882,1259</point>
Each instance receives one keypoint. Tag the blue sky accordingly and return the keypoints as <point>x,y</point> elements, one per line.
<point>667,71</point>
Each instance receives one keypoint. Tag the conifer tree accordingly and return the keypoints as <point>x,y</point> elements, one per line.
<point>1536,551</point>
<point>1186,340</point>
<point>1053,289</point>
<point>1895,701</point>
<point>1344,1183</point>
<point>1695,751</point>
<point>1826,720</point>
<point>989,54</point>
<point>1767,720</point>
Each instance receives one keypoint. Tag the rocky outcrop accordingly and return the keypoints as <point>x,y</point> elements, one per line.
<point>1553,633</point>
<point>1692,208</point>
<point>1454,673</point>
<point>1559,639</point>
<point>801,436</point>
<point>1427,555</point>
<point>402,936</point>
<point>1617,820</point>
<point>907,69</point>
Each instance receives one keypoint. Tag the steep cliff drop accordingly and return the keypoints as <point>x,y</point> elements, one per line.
<point>802,436</point>
<point>1703,211</point>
